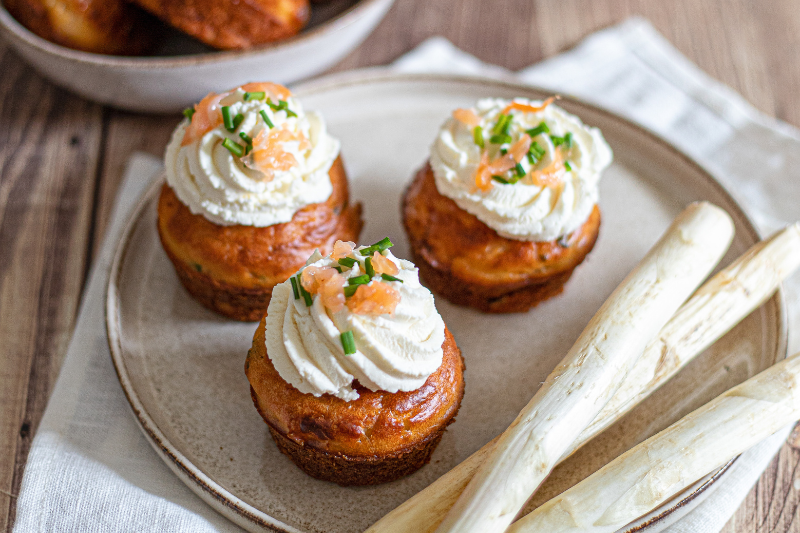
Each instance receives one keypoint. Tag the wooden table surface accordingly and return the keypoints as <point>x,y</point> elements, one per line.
<point>61,162</point>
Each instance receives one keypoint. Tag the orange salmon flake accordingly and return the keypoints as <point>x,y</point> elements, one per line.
<point>278,90</point>
<point>526,108</point>
<point>376,298</point>
<point>520,148</point>
<point>207,116</point>
<point>342,249</point>
<point>328,283</point>
<point>466,116</point>
<point>483,177</point>
<point>551,174</point>
<point>268,155</point>
<point>384,265</point>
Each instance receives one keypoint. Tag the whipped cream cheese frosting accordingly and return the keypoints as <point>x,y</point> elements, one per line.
<point>549,193</point>
<point>287,170</point>
<point>395,351</point>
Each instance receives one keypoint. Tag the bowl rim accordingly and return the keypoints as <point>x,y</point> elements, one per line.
<point>347,17</point>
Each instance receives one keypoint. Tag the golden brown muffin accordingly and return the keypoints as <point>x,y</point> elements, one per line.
<point>377,438</point>
<point>98,26</point>
<point>232,269</point>
<point>468,263</point>
<point>232,24</point>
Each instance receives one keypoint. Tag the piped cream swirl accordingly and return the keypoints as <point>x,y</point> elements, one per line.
<point>395,352</point>
<point>525,210</point>
<point>215,183</point>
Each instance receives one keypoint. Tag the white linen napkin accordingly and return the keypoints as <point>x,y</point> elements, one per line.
<point>91,469</point>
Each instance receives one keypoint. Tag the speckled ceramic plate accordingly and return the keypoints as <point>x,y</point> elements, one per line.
<point>181,366</point>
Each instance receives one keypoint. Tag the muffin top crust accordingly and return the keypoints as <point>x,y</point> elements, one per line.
<point>527,169</point>
<point>357,314</point>
<point>250,156</point>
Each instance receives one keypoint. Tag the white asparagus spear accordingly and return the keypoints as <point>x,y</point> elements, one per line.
<point>714,309</point>
<point>647,475</point>
<point>584,381</point>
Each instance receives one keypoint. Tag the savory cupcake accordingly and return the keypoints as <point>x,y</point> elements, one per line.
<point>353,369</point>
<point>506,208</point>
<point>254,186</point>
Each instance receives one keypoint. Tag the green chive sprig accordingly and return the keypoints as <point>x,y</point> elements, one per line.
<point>227,119</point>
<point>538,130</point>
<point>503,123</point>
<point>363,279</point>
<point>348,262</point>
<point>387,277</point>
<point>477,136</point>
<point>350,290</point>
<point>500,138</point>
<point>188,113</point>
<point>568,166</point>
<point>295,290</point>
<point>304,293</point>
<point>282,105</point>
<point>348,342</point>
<point>233,147</point>
<point>266,119</point>
<point>520,171</point>
<point>381,245</point>
<point>258,95</point>
<point>368,267</point>
<point>237,121</point>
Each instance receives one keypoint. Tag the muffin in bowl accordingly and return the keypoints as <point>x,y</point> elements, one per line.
<point>507,205</point>
<point>354,372</point>
<point>254,185</point>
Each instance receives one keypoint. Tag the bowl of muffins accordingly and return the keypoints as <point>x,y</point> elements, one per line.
<point>159,57</point>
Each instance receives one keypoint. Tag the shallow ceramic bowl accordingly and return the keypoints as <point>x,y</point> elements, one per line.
<point>168,83</point>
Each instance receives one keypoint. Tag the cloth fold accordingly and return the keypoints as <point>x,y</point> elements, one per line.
<point>90,468</point>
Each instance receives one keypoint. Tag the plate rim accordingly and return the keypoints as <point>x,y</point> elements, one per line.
<point>228,504</point>
<point>345,18</point>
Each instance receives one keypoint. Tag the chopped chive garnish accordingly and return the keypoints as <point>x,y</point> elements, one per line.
<point>305,294</point>
<point>347,261</point>
<point>379,246</point>
<point>227,119</point>
<point>535,153</point>
<point>266,118</point>
<point>368,267</point>
<point>387,277</point>
<point>338,269</point>
<point>520,170</point>
<point>282,105</point>
<point>503,151</point>
<point>477,135</point>
<point>538,130</point>
<point>237,120</point>
<point>500,138</point>
<point>502,125</point>
<point>500,179</point>
<point>254,96</point>
<point>567,166</point>
<point>294,288</point>
<point>359,280</point>
<point>350,290</point>
<point>348,342</point>
<point>188,113</point>
<point>234,148</point>
<point>246,138</point>
<point>566,139</point>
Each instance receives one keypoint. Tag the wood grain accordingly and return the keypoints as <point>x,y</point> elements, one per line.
<point>62,159</point>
